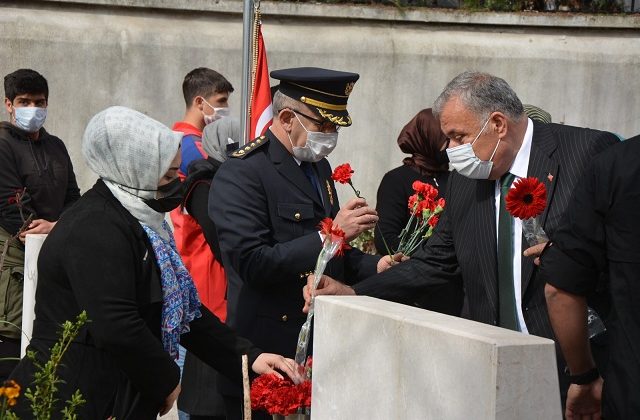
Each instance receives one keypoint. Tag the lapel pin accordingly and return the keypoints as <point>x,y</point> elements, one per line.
<point>329,191</point>
<point>550,177</point>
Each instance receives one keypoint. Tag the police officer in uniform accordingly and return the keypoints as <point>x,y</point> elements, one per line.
<point>267,202</point>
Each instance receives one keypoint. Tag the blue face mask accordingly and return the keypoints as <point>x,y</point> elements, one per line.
<point>29,118</point>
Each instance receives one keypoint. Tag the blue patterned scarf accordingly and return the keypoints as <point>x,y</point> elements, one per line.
<point>180,303</point>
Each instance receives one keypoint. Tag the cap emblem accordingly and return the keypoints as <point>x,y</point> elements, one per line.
<point>349,88</point>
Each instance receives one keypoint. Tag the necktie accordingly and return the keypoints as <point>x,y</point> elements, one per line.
<point>311,175</point>
<point>506,293</point>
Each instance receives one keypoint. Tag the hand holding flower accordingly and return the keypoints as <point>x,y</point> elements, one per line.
<point>388,261</point>
<point>535,251</point>
<point>356,217</point>
<point>326,286</point>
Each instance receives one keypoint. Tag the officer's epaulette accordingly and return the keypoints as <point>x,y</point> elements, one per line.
<point>248,148</point>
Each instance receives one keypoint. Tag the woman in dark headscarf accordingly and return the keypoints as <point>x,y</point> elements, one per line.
<point>423,139</point>
<point>426,143</point>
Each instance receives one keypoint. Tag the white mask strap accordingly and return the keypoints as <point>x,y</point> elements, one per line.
<point>481,130</point>
<point>495,150</point>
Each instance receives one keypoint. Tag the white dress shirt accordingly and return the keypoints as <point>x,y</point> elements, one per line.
<point>519,169</point>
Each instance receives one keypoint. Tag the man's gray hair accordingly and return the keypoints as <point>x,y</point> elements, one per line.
<point>281,101</point>
<point>482,94</point>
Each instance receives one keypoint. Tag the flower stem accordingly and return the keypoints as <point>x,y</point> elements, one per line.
<point>354,189</point>
<point>384,241</point>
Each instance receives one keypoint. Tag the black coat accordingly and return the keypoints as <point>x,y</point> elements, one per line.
<point>599,233</point>
<point>200,172</point>
<point>463,248</point>
<point>392,202</point>
<point>99,259</point>
<point>41,166</point>
<point>267,213</point>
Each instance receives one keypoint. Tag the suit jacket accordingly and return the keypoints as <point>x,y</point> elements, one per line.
<point>463,248</point>
<point>267,213</point>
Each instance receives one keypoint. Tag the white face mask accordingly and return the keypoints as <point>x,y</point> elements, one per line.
<point>318,145</point>
<point>463,159</point>
<point>29,118</point>
<point>217,113</point>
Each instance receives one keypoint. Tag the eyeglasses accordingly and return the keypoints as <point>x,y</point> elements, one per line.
<point>323,125</point>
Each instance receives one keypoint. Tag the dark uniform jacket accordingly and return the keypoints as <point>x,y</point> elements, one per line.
<point>267,213</point>
<point>99,259</point>
<point>463,248</point>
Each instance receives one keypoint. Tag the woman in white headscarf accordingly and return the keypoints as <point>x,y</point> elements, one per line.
<point>113,256</point>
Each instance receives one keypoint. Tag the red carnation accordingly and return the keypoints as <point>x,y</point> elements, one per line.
<point>433,221</point>
<point>279,396</point>
<point>342,173</point>
<point>527,198</point>
<point>333,231</point>
<point>414,200</point>
<point>428,191</point>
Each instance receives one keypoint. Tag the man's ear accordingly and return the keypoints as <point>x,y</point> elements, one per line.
<point>500,124</point>
<point>285,117</point>
<point>7,105</point>
<point>197,102</point>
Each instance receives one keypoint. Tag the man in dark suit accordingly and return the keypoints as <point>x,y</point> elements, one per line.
<point>473,246</point>
<point>267,202</point>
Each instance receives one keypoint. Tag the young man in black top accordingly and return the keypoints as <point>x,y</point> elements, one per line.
<point>36,184</point>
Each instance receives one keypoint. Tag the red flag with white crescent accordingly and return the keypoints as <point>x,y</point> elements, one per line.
<point>261,113</point>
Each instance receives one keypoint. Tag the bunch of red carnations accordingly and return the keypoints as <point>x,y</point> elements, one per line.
<point>281,396</point>
<point>425,210</point>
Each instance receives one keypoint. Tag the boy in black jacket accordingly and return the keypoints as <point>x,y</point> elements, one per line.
<point>36,184</point>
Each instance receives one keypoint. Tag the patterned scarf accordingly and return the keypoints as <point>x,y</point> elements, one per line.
<point>180,303</point>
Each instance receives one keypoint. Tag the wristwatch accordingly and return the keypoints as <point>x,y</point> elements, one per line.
<point>585,378</point>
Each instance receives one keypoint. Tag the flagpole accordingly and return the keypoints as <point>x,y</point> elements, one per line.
<point>247,24</point>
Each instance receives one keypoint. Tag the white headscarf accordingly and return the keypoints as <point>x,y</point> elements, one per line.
<point>217,135</point>
<point>129,149</point>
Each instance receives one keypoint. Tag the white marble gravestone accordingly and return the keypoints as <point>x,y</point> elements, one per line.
<point>375,359</point>
<point>33,243</point>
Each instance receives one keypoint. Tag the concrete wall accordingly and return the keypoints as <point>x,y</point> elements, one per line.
<point>96,53</point>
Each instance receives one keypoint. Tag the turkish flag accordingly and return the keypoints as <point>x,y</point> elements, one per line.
<point>261,112</point>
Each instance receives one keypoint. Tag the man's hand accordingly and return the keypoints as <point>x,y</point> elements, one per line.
<point>535,251</point>
<point>326,286</point>
<point>169,401</point>
<point>388,261</point>
<point>37,226</point>
<point>583,401</point>
<point>356,217</point>
<point>272,363</point>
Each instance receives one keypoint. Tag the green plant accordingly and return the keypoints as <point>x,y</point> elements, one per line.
<point>496,5</point>
<point>45,385</point>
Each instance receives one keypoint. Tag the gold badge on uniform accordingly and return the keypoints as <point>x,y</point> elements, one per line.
<point>329,191</point>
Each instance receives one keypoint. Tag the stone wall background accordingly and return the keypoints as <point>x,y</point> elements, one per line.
<point>583,69</point>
